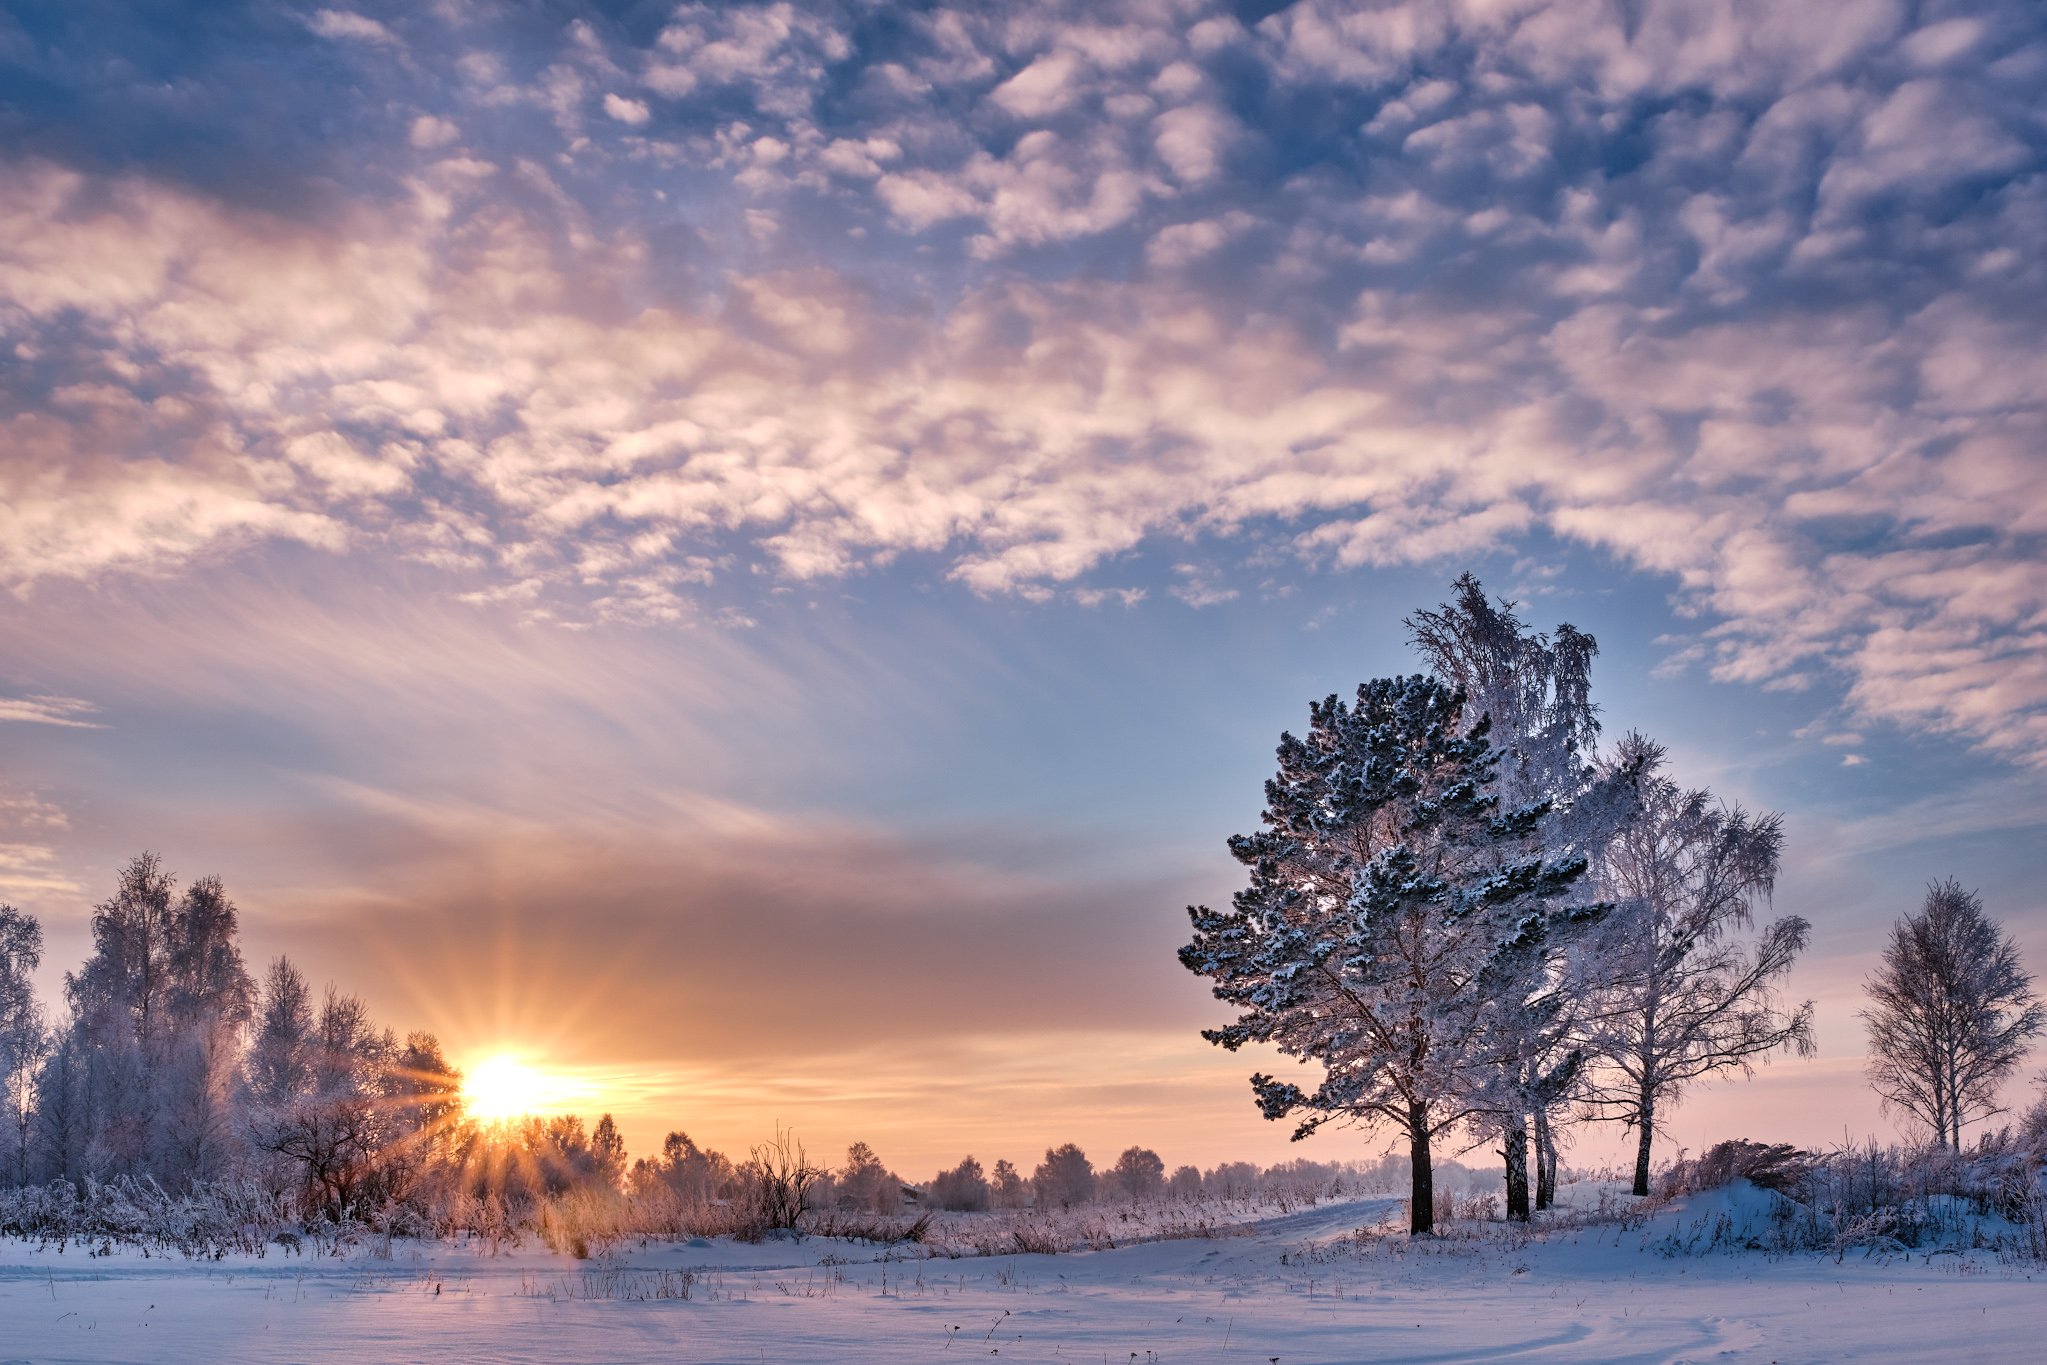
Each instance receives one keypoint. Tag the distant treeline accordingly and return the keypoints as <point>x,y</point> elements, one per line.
<point>170,1067</point>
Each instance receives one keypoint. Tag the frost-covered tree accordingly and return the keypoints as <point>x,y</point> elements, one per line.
<point>1386,884</point>
<point>279,1065</point>
<point>158,1011</point>
<point>1684,997</point>
<point>1534,692</point>
<point>963,1189</point>
<point>1064,1178</point>
<point>422,1106</point>
<point>1534,688</point>
<point>1007,1188</point>
<point>209,1000</point>
<point>608,1149</point>
<point>864,1183</point>
<point>693,1174</point>
<point>1139,1173</point>
<point>1951,1011</point>
<point>23,1040</point>
<point>60,1129</point>
<point>1184,1183</point>
<point>334,1128</point>
<point>1232,1180</point>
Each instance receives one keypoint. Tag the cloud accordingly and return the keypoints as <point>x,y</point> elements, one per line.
<point>628,111</point>
<point>1192,141</point>
<point>1731,293</point>
<point>1049,85</point>
<point>33,870</point>
<point>63,711</point>
<point>346,25</point>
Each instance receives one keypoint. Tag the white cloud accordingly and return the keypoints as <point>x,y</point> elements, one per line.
<point>1049,85</point>
<point>349,26</point>
<point>1192,140</point>
<point>63,711</point>
<point>628,111</point>
<point>429,132</point>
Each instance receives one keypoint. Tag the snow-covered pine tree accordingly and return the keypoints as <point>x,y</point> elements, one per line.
<point>1386,884</point>
<point>1951,1011</point>
<point>1683,999</point>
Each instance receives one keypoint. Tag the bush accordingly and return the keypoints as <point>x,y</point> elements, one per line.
<point>1772,1166</point>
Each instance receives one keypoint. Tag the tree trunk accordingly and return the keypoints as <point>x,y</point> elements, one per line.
<point>1421,1216</point>
<point>1545,1160</point>
<point>1646,1117</point>
<point>1517,1169</point>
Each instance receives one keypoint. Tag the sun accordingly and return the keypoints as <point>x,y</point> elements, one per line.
<point>504,1087</point>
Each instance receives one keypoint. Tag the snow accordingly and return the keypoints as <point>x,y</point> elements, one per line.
<point>1301,1288</point>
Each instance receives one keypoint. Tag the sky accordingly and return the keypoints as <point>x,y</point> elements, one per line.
<point>755,554</point>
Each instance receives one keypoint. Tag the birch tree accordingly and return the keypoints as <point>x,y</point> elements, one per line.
<point>1534,692</point>
<point>1951,1011</point>
<point>23,1041</point>
<point>1686,998</point>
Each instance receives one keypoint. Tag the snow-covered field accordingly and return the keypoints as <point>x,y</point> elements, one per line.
<point>1294,1289</point>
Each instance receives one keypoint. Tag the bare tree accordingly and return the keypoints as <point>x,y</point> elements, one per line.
<point>1951,1011</point>
<point>777,1179</point>
<point>1684,999</point>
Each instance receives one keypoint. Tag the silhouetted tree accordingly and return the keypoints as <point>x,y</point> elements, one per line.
<point>1138,1173</point>
<point>609,1149</point>
<point>864,1183</point>
<point>1064,1178</point>
<point>1007,1189</point>
<point>963,1189</point>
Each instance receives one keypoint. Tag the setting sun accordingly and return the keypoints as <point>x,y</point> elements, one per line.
<point>505,1087</point>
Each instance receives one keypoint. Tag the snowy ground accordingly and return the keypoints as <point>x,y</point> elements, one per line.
<point>1296,1290</point>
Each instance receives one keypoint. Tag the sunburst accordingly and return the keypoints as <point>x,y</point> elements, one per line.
<point>506,1086</point>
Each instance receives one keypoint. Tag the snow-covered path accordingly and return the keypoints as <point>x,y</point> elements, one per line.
<point>1296,1291</point>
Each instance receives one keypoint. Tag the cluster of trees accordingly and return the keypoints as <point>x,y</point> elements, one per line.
<point>171,1063</point>
<point>1476,923</point>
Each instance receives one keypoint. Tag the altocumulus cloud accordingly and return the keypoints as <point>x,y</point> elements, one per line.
<point>587,314</point>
